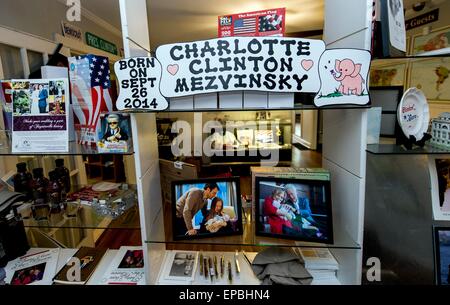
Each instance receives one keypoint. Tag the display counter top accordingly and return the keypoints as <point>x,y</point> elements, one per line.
<point>392,149</point>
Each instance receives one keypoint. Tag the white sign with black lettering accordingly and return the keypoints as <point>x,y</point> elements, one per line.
<point>273,64</point>
<point>139,79</point>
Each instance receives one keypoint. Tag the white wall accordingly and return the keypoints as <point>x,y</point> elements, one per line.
<point>309,125</point>
<point>43,18</point>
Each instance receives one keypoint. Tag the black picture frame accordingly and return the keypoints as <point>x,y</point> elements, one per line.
<point>437,254</point>
<point>310,182</point>
<point>238,230</point>
<point>397,134</point>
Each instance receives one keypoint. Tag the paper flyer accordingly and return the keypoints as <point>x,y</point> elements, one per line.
<point>40,116</point>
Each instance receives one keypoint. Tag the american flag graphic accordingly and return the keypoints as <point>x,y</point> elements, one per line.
<point>90,83</point>
<point>270,23</point>
<point>245,26</point>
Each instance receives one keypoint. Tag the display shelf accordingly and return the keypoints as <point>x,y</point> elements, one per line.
<point>433,54</point>
<point>392,149</point>
<point>296,107</point>
<point>81,214</point>
<point>342,240</point>
<point>74,149</point>
<point>246,275</point>
<point>389,61</point>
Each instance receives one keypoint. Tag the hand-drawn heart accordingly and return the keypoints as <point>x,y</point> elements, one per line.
<point>307,64</point>
<point>172,69</point>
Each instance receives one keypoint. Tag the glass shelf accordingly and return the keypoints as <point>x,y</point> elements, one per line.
<point>432,54</point>
<point>79,214</point>
<point>74,149</point>
<point>380,62</point>
<point>296,107</point>
<point>342,240</point>
<point>392,149</point>
<point>84,218</point>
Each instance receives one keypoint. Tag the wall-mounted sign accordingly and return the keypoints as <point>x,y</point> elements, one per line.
<point>71,31</point>
<point>423,19</point>
<point>274,64</point>
<point>260,23</point>
<point>245,63</point>
<point>139,79</point>
<point>99,43</point>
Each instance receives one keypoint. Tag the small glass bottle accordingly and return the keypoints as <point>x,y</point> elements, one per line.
<point>54,192</point>
<point>63,175</point>
<point>22,180</point>
<point>39,184</point>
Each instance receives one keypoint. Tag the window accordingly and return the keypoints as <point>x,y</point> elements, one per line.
<point>35,60</point>
<point>11,62</point>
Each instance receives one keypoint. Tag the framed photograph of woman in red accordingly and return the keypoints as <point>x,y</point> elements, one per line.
<point>293,208</point>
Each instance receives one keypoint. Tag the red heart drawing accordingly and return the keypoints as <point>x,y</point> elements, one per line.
<point>307,64</point>
<point>172,69</point>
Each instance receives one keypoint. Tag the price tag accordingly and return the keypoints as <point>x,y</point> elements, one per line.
<point>178,165</point>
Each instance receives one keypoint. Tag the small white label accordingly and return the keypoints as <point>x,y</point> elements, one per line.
<point>178,165</point>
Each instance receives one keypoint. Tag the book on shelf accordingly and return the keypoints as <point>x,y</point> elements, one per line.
<point>127,268</point>
<point>179,268</point>
<point>318,259</point>
<point>33,269</point>
<point>89,260</point>
<point>321,264</point>
<point>332,280</point>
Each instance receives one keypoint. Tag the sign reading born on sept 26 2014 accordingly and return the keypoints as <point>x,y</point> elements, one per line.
<point>139,79</point>
<point>244,63</point>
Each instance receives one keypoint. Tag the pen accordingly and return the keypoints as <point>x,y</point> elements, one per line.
<point>222,266</point>
<point>230,276</point>
<point>216,269</point>
<point>236,256</point>
<point>246,258</point>
<point>205,267</point>
<point>211,269</point>
<point>201,263</point>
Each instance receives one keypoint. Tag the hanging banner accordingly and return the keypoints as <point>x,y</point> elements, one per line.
<point>274,64</point>
<point>139,79</point>
<point>244,63</point>
<point>259,23</point>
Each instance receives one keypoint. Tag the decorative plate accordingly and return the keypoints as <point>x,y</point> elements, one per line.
<point>413,113</point>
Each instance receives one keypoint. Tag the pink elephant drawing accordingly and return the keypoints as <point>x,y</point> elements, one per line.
<point>349,75</point>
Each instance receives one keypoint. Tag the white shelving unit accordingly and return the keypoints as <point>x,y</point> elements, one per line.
<point>344,140</point>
